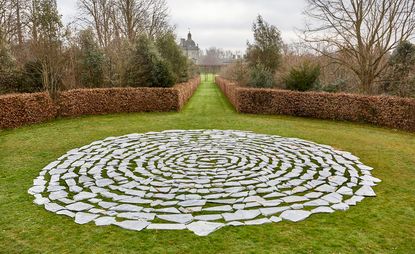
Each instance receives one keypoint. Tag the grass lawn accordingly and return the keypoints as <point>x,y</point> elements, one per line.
<point>385,224</point>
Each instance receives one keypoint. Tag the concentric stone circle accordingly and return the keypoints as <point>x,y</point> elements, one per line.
<point>201,180</point>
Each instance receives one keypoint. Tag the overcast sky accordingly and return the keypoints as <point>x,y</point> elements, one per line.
<point>224,23</point>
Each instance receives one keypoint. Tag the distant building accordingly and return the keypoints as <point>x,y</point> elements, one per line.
<point>190,48</point>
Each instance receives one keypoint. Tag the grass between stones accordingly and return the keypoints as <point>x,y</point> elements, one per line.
<point>385,224</point>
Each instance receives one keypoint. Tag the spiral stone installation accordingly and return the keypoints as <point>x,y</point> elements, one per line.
<point>201,180</point>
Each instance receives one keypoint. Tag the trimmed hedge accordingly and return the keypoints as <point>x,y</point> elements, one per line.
<point>21,109</point>
<point>387,111</point>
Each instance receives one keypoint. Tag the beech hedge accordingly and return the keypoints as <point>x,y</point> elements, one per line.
<point>386,111</point>
<point>17,110</point>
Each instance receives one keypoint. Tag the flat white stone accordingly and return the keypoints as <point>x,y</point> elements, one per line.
<point>340,207</point>
<point>36,190</point>
<point>322,209</point>
<point>178,218</point>
<point>275,219</point>
<point>41,201</point>
<point>326,188</point>
<point>313,195</point>
<point>273,210</point>
<point>79,206</point>
<point>354,200</point>
<point>333,198</point>
<point>107,205</point>
<point>105,221</point>
<point>192,203</point>
<point>203,228</point>
<point>58,195</point>
<point>317,202</point>
<point>66,213</point>
<point>295,215</point>
<point>211,217</point>
<point>366,191</point>
<point>53,207</point>
<point>84,195</point>
<point>345,191</point>
<point>370,179</point>
<point>257,222</point>
<point>137,216</point>
<point>226,208</point>
<point>168,210</point>
<point>133,224</point>
<point>241,215</point>
<point>294,199</point>
<point>127,208</point>
<point>162,226</point>
<point>84,218</point>
<point>235,224</point>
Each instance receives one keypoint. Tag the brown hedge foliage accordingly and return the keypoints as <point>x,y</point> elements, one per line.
<point>20,109</point>
<point>387,111</point>
<point>125,100</point>
<point>230,90</point>
<point>186,90</point>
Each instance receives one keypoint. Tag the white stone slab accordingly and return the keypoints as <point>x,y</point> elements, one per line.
<point>295,215</point>
<point>203,228</point>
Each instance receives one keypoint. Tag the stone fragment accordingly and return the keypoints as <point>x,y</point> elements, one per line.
<point>241,215</point>
<point>211,217</point>
<point>295,215</point>
<point>322,209</point>
<point>203,228</point>
<point>133,224</point>
<point>166,226</point>
<point>78,207</point>
<point>257,222</point>
<point>105,221</point>
<point>366,191</point>
<point>84,218</point>
<point>273,210</point>
<point>178,218</point>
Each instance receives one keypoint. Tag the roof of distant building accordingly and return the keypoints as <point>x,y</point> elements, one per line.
<point>189,44</point>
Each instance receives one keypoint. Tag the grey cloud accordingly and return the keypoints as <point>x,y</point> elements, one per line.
<point>224,23</point>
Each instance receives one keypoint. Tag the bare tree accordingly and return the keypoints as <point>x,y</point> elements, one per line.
<point>46,44</point>
<point>12,20</point>
<point>158,18</point>
<point>125,18</point>
<point>99,15</point>
<point>360,34</point>
<point>133,17</point>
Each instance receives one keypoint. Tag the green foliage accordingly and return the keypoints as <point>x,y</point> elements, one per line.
<point>147,68</point>
<point>29,80</point>
<point>303,77</point>
<point>266,49</point>
<point>32,71</point>
<point>400,78</point>
<point>174,57</point>
<point>404,56</point>
<point>260,76</point>
<point>47,22</point>
<point>339,85</point>
<point>7,62</point>
<point>92,60</point>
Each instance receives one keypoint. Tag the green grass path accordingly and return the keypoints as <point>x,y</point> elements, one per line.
<point>385,224</point>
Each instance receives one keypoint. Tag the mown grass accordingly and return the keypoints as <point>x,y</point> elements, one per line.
<point>385,224</point>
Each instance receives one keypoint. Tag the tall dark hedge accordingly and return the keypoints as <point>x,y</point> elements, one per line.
<point>146,67</point>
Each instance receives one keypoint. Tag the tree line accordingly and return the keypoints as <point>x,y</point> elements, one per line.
<point>359,46</point>
<point>110,43</point>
